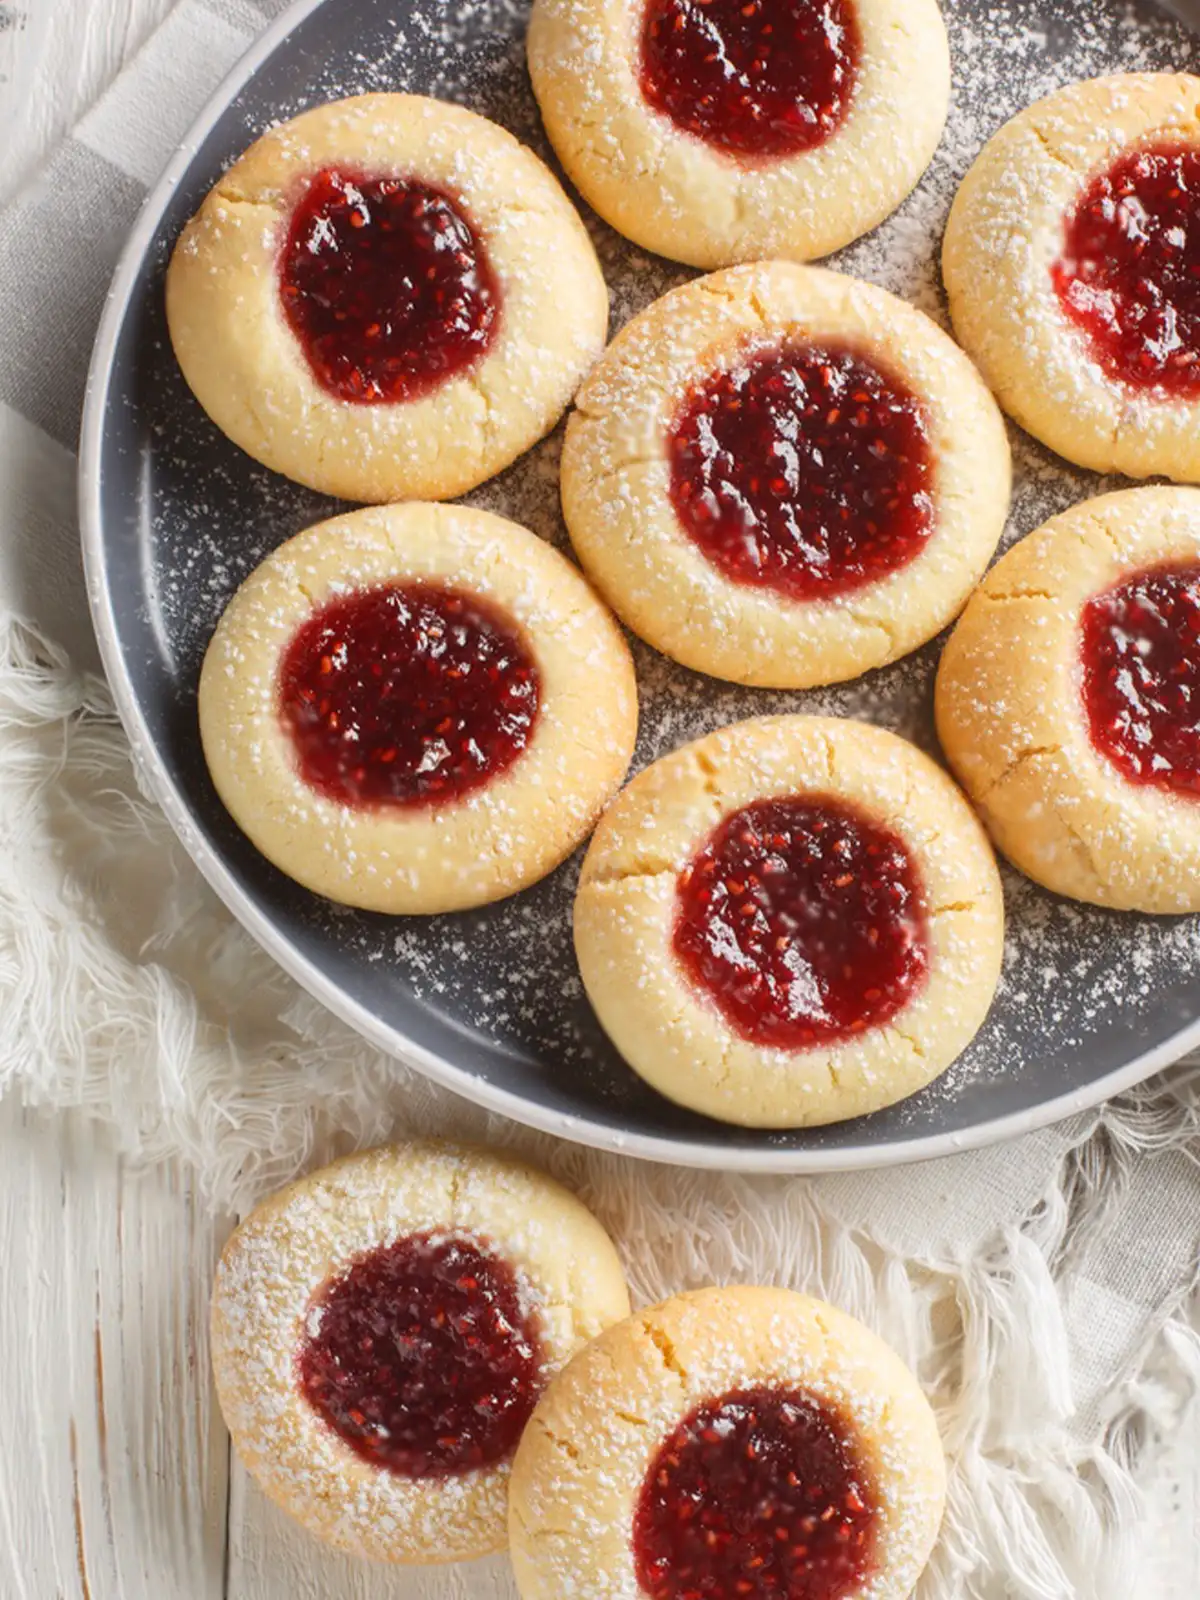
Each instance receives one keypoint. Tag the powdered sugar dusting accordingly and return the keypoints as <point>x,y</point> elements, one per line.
<point>567,1275</point>
<point>498,990</point>
<point>583,1459</point>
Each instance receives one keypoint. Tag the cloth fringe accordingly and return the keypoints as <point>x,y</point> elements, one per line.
<point>128,991</point>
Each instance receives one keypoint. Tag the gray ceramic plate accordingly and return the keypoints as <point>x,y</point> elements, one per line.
<point>489,1003</point>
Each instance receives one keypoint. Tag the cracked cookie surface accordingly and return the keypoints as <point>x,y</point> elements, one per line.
<point>713,134</point>
<point>416,708</point>
<point>1070,259</point>
<point>620,1488</point>
<point>386,298</point>
<point>1066,701</point>
<point>790,922</point>
<point>783,476</point>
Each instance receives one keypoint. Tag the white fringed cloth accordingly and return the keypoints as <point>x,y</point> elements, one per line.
<point>1041,1289</point>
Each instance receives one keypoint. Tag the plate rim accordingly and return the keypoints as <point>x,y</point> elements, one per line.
<point>156,778</point>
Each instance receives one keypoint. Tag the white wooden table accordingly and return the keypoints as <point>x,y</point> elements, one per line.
<point>116,1481</point>
<point>115,1475</point>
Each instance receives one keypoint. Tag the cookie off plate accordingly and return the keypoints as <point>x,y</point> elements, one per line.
<point>489,1002</point>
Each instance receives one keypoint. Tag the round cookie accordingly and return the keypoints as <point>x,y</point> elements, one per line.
<point>1072,264</point>
<point>792,921</point>
<point>386,298</point>
<point>801,1448</point>
<point>382,1329</point>
<point>783,476</point>
<point>1066,701</point>
<point>712,132</point>
<point>416,708</point>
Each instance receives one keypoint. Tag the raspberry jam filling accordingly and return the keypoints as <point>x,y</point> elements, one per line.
<point>387,286</point>
<point>1129,273</point>
<point>421,1357</point>
<point>1140,653</point>
<point>754,78</point>
<point>806,470</point>
<point>756,1494</point>
<point>407,695</point>
<point>804,921</point>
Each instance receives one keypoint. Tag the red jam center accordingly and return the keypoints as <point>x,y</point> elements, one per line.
<point>803,470</point>
<point>755,1494</point>
<point>804,921</point>
<point>407,695</point>
<point>1140,650</point>
<point>754,78</point>
<point>387,286</point>
<point>422,1358</point>
<point>1129,274</point>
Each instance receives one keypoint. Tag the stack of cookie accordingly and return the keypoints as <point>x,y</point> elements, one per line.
<point>776,475</point>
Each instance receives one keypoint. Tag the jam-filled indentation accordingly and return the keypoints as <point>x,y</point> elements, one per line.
<point>422,1357</point>
<point>758,1493</point>
<point>1129,272</point>
<point>804,469</point>
<point>408,695</point>
<point>754,78</point>
<point>803,920</point>
<point>386,283</point>
<point>1140,656</point>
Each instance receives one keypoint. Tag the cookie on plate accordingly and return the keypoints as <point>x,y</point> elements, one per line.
<point>1072,263</point>
<point>715,131</point>
<point>1067,701</point>
<point>790,922</point>
<point>416,708</point>
<point>386,298</point>
<point>784,476</point>
<point>729,1442</point>
<point>382,1329</point>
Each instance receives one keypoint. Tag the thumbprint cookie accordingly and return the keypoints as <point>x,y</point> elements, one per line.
<point>1068,701</point>
<point>381,1332</point>
<point>792,921</point>
<point>715,131</point>
<point>783,476</point>
<point>1072,263</point>
<point>386,298</point>
<point>729,1442</point>
<point>416,708</point>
